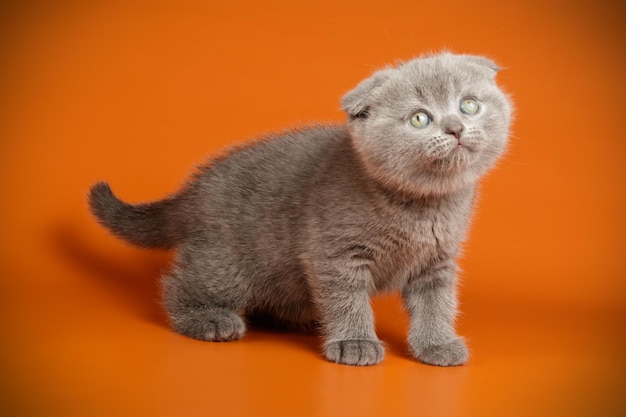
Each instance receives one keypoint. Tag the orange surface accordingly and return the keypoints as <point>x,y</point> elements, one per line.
<point>138,93</point>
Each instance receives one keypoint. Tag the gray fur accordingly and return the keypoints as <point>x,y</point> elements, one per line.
<point>305,226</point>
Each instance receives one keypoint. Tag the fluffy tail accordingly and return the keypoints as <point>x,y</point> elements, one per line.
<point>147,225</point>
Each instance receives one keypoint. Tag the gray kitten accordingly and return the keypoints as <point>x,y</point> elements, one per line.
<point>305,226</point>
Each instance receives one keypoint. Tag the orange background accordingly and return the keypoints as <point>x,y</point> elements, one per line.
<point>137,93</point>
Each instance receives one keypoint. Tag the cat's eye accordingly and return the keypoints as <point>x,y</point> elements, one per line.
<point>469,106</point>
<point>420,119</point>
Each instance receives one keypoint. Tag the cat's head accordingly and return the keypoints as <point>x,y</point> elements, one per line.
<point>432,125</point>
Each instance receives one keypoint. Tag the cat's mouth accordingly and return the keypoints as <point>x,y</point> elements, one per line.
<point>462,147</point>
<point>442,149</point>
<point>464,150</point>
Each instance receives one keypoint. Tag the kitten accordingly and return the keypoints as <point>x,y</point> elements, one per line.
<point>306,225</point>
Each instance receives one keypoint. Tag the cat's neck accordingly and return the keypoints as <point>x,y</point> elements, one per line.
<point>398,197</point>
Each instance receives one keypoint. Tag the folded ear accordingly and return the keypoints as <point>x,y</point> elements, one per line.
<point>483,62</point>
<point>355,102</point>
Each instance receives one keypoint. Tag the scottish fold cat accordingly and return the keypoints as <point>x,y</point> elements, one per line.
<point>304,226</point>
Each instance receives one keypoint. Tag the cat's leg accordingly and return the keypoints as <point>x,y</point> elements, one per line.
<point>430,298</point>
<point>346,319</point>
<point>199,307</point>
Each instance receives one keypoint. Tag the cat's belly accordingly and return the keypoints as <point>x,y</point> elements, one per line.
<point>283,294</point>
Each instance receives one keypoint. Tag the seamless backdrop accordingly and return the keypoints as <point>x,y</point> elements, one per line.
<point>138,93</point>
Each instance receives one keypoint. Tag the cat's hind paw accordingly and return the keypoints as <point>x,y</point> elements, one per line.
<point>453,353</point>
<point>359,352</point>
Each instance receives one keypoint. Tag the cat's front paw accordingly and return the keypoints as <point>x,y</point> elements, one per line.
<point>224,328</point>
<point>358,352</point>
<point>453,353</point>
<point>214,325</point>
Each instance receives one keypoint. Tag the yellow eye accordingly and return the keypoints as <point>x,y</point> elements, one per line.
<point>469,106</point>
<point>420,119</point>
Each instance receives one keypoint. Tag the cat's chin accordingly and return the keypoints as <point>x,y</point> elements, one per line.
<point>450,175</point>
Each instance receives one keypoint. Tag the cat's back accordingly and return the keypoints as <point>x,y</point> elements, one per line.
<point>288,151</point>
<point>272,170</point>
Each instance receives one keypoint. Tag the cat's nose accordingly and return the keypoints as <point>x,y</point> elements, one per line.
<point>453,126</point>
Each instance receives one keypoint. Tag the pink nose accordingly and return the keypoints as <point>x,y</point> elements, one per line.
<point>454,130</point>
<point>452,125</point>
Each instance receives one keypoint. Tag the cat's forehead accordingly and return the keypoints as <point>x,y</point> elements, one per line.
<point>445,68</point>
<point>437,79</point>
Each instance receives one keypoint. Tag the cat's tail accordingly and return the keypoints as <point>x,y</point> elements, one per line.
<point>149,225</point>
